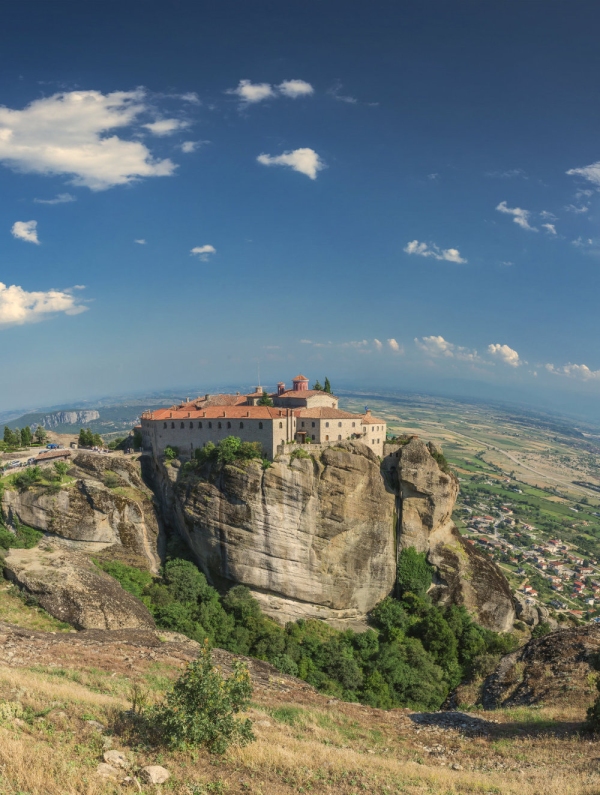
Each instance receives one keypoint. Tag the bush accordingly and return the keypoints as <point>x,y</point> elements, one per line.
<point>171,453</point>
<point>201,708</point>
<point>111,480</point>
<point>414,573</point>
<point>299,453</point>
<point>24,538</point>
<point>541,629</point>
<point>228,451</point>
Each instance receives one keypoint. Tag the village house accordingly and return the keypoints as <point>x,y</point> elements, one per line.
<point>299,415</point>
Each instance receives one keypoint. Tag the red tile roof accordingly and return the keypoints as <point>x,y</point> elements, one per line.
<point>219,413</point>
<point>300,378</point>
<point>303,393</point>
<point>214,400</point>
<point>326,413</point>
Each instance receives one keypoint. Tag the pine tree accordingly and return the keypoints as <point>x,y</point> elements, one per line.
<point>40,434</point>
<point>8,436</point>
<point>265,400</point>
<point>317,385</point>
<point>327,387</point>
<point>26,436</point>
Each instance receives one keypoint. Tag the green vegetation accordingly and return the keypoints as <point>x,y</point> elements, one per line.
<point>265,400</point>
<point>24,538</point>
<point>413,656</point>
<point>298,452</point>
<point>201,707</point>
<point>171,453</point>
<point>89,439</point>
<point>327,385</point>
<point>29,477</point>
<point>40,435</point>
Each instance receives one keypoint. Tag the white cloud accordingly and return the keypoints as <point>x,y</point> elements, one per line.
<point>305,160</point>
<point>579,371</point>
<point>73,133</point>
<point>507,355</point>
<point>295,88</point>
<point>572,208</point>
<point>162,127</point>
<point>378,344</point>
<point>17,306</point>
<point>190,97</point>
<point>203,252</point>
<point>187,147</point>
<point>250,93</point>
<point>335,90</point>
<point>395,346</point>
<point>26,230</point>
<point>520,217</point>
<point>438,346</point>
<point>431,250</point>
<point>548,216</point>
<point>591,173</point>
<point>581,243</point>
<point>306,342</point>
<point>433,176</point>
<point>61,198</point>
<point>510,173</point>
<point>140,242</point>
<point>550,228</point>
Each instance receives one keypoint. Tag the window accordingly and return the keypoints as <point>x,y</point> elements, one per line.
<point>164,424</point>
<point>281,424</point>
<point>219,425</point>
<point>199,424</point>
<point>327,425</point>
<point>303,424</point>
<point>339,424</point>
<point>241,424</point>
<point>339,437</point>
<point>377,441</point>
<point>210,424</point>
<point>372,441</point>
<point>327,438</point>
<point>260,426</point>
<point>172,425</point>
<point>313,427</point>
<point>182,425</point>
<point>191,424</point>
<point>229,425</point>
<point>313,436</point>
<point>354,425</point>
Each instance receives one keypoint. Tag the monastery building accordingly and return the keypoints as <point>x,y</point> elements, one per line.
<point>298,415</point>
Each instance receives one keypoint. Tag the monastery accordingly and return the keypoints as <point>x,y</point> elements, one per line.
<point>299,415</point>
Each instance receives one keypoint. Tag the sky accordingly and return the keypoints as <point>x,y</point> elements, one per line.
<point>394,194</point>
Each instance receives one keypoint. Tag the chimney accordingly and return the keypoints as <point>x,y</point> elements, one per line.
<point>187,400</point>
<point>206,397</point>
<point>280,388</point>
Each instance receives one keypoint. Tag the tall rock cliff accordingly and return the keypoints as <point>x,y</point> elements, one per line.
<point>319,536</point>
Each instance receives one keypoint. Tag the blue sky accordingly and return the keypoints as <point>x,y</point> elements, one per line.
<point>395,194</point>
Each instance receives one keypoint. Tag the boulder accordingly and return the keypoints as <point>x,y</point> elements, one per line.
<point>72,589</point>
<point>154,774</point>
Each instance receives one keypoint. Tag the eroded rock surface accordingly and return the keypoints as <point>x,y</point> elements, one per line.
<point>311,537</point>
<point>72,589</point>
<point>554,670</point>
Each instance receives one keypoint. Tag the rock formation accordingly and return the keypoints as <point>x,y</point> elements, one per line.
<point>465,576</point>
<point>89,513</point>
<point>72,589</point>
<point>554,670</point>
<point>79,417</point>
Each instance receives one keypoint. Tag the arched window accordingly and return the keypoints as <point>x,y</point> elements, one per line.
<point>339,436</point>
<point>354,425</point>
<point>327,425</point>
<point>281,424</point>
<point>313,427</point>
<point>191,424</point>
<point>164,424</point>
<point>210,424</point>
<point>339,424</point>
<point>199,424</point>
<point>218,425</point>
<point>313,436</point>
<point>303,425</point>
<point>182,425</point>
<point>260,426</point>
<point>172,425</point>
<point>327,438</point>
<point>229,425</point>
<point>241,424</point>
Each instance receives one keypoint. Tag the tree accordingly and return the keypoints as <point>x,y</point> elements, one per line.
<point>265,400</point>
<point>26,436</point>
<point>11,438</point>
<point>415,575</point>
<point>137,440</point>
<point>40,434</point>
<point>318,386</point>
<point>61,468</point>
<point>327,386</point>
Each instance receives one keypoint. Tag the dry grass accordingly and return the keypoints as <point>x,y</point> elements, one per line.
<point>304,745</point>
<point>14,611</point>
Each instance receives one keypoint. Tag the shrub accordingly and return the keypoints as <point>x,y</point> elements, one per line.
<point>300,453</point>
<point>24,538</point>
<point>31,476</point>
<point>541,629</point>
<point>414,573</point>
<point>111,480</point>
<point>171,453</point>
<point>201,708</point>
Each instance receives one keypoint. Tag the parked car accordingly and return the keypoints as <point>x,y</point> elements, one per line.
<point>14,464</point>
<point>52,446</point>
<point>30,461</point>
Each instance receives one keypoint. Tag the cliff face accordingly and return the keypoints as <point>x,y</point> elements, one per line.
<point>318,537</point>
<point>310,538</point>
<point>465,576</point>
<point>88,512</point>
<point>82,417</point>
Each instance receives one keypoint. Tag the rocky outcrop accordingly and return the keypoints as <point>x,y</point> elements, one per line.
<point>89,513</point>
<point>318,536</point>
<point>73,590</point>
<point>311,537</point>
<point>554,670</point>
<point>81,417</point>
<point>464,576</point>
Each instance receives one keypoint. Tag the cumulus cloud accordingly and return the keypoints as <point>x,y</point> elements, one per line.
<point>18,306</point>
<point>203,252</point>
<point>73,133</point>
<point>187,147</point>
<point>579,371</point>
<point>61,198</point>
<point>26,230</point>
<point>507,355</point>
<point>550,228</point>
<point>305,160</point>
<point>572,208</point>
<point>249,92</point>
<point>295,88</point>
<point>162,127</point>
<point>591,173</point>
<point>140,241</point>
<point>395,346</point>
<point>378,344</point>
<point>581,243</point>
<point>520,216</point>
<point>431,250</point>
<point>438,346</point>
<point>190,97</point>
